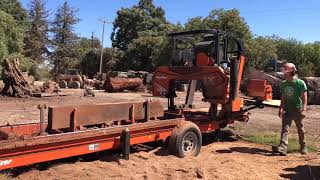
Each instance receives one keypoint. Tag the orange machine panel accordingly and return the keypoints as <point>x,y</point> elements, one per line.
<point>259,88</point>
<point>215,81</point>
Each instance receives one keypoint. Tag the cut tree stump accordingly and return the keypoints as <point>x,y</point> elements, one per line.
<point>15,85</point>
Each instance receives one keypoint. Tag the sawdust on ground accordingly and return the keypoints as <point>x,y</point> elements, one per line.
<point>221,160</point>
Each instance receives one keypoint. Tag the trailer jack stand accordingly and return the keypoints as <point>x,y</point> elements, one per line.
<point>125,143</point>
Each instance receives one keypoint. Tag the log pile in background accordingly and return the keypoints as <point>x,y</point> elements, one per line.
<point>121,84</point>
<point>49,87</point>
<point>313,84</point>
<point>15,84</point>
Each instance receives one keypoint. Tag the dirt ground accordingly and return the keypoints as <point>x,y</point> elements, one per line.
<point>218,160</point>
<point>222,160</point>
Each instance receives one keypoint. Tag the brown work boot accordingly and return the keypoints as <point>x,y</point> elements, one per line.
<point>281,151</point>
<point>304,150</point>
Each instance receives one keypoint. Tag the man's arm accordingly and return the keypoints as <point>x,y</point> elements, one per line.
<point>281,106</point>
<point>304,98</point>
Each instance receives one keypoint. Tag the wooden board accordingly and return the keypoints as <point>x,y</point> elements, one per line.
<point>61,117</point>
<point>274,102</point>
<point>48,94</point>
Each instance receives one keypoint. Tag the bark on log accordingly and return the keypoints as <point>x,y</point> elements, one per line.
<point>314,97</point>
<point>15,83</point>
<point>120,84</point>
<point>313,83</point>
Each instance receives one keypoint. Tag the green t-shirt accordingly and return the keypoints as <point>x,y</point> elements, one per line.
<point>292,91</point>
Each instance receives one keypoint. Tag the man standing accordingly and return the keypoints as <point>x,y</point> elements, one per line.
<point>293,108</point>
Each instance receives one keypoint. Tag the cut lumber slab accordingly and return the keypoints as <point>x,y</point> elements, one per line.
<point>63,116</point>
<point>48,94</point>
<point>274,103</point>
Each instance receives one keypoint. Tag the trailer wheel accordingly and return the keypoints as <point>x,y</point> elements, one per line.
<point>186,140</point>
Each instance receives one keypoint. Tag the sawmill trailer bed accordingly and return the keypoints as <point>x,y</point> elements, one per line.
<point>84,129</point>
<point>217,65</point>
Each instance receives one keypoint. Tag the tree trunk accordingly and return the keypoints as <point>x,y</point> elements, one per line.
<point>120,84</point>
<point>15,84</point>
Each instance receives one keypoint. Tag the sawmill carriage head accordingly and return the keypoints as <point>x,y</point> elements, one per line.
<point>213,58</point>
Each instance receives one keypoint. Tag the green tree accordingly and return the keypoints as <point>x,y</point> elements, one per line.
<point>145,52</point>
<point>262,50</point>
<point>130,21</point>
<point>37,38</point>
<point>64,39</point>
<point>312,50</point>
<point>13,22</point>
<point>226,20</point>
<point>296,52</point>
<point>140,33</point>
<point>84,45</point>
<point>196,23</point>
<point>11,35</point>
<point>91,61</point>
<point>15,9</point>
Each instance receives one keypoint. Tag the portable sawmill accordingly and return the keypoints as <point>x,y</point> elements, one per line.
<point>209,60</point>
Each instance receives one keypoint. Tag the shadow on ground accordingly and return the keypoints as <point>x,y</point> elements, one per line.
<point>302,172</point>
<point>246,150</point>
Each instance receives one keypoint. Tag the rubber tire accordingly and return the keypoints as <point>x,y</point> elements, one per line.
<point>175,141</point>
<point>63,84</point>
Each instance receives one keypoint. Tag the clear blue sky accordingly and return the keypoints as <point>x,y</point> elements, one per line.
<point>299,19</point>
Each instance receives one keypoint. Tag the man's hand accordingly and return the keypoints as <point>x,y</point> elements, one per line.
<point>280,113</point>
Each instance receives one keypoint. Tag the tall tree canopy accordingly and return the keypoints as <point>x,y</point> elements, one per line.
<point>130,21</point>
<point>64,38</point>
<point>140,33</point>
<point>262,50</point>
<point>11,35</point>
<point>15,9</point>
<point>306,57</point>
<point>226,20</point>
<point>91,61</point>
<point>37,38</point>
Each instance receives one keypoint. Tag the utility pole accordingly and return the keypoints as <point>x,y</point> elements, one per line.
<point>92,41</point>
<point>101,55</point>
